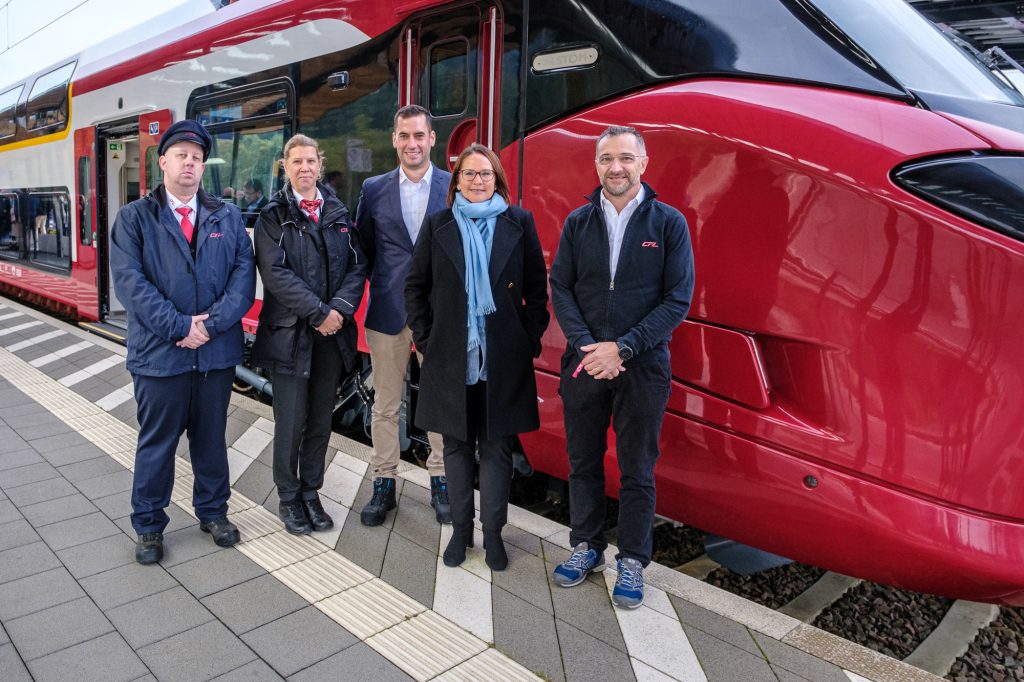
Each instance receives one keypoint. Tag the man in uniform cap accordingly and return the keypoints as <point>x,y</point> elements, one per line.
<point>183,266</point>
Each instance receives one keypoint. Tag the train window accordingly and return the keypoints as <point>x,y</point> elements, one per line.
<point>49,229</point>
<point>48,99</point>
<point>11,233</point>
<point>266,104</point>
<point>245,159</point>
<point>85,228</point>
<point>154,176</point>
<point>449,77</point>
<point>8,109</point>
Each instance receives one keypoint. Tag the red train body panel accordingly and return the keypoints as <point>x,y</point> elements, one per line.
<point>848,387</point>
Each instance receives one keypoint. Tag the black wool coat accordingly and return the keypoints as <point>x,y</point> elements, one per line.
<point>436,302</point>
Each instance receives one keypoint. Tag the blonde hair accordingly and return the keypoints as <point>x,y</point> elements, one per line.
<point>300,140</point>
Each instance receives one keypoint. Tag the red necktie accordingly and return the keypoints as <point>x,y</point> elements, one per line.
<point>186,224</point>
<point>310,206</point>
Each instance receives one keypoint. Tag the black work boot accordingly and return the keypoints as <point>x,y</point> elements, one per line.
<point>317,515</point>
<point>383,501</point>
<point>439,499</point>
<point>150,548</point>
<point>224,533</point>
<point>294,517</point>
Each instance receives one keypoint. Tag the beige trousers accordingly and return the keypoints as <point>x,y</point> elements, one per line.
<point>389,354</point>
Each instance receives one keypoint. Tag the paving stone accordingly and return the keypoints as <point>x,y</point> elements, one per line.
<point>177,519</point>
<point>127,413</point>
<point>37,417</point>
<point>715,625</point>
<point>116,506</point>
<point>22,561</point>
<point>158,616</point>
<point>796,661</point>
<point>298,640</point>
<point>185,544</point>
<point>522,539</point>
<point>10,413</point>
<point>4,639</point>
<point>98,556</point>
<point>72,453</point>
<point>364,545</point>
<point>126,583</point>
<point>57,627</point>
<point>215,572</point>
<point>213,651</point>
<point>12,669</point>
<point>783,675</point>
<point>526,577</point>
<point>12,444</point>
<point>16,534</point>
<point>254,603</point>
<point>30,473</point>
<point>37,592</point>
<point>723,661</point>
<point>90,468</point>
<point>42,491</point>
<point>256,671</point>
<point>526,634</point>
<point>34,432</point>
<point>64,534</point>
<point>418,523</point>
<point>18,457</point>
<point>60,509</point>
<point>59,441</point>
<point>359,662</point>
<point>105,485</point>
<point>106,658</point>
<point>587,658</point>
<point>8,512</point>
<point>257,483</point>
<point>410,568</point>
<point>588,605</point>
<point>93,389</point>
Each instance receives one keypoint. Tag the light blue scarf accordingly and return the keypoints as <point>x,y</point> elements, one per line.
<point>476,225</point>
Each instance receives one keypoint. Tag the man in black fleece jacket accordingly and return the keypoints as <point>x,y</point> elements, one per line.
<point>621,282</point>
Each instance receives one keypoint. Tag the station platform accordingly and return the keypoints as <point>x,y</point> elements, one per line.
<point>357,603</point>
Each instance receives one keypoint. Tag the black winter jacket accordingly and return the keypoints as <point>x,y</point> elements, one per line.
<point>297,292</point>
<point>653,284</point>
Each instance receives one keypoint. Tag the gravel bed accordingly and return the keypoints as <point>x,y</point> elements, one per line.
<point>885,619</point>
<point>675,544</point>
<point>997,653</point>
<point>773,588</point>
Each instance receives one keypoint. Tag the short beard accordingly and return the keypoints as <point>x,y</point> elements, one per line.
<point>618,193</point>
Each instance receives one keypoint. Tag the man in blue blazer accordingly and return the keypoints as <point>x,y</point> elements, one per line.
<point>392,208</point>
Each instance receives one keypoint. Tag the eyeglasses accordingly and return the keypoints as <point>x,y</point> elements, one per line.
<point>623,159</point>
<point>469,175</point>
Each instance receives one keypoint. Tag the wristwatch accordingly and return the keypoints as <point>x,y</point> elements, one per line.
<point>625,352</point>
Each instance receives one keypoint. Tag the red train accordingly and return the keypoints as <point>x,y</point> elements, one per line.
<point>849,388</point>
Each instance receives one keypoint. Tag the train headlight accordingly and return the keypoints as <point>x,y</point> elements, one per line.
<point>986,189</point>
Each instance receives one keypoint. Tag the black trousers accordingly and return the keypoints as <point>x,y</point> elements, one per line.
<point>495,468</point>
<point>195,403</point>
<point>634,403</point>
<point>303,407</point>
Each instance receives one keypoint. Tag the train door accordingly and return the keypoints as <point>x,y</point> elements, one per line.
<point>84,268</point>
<point>450,65</point>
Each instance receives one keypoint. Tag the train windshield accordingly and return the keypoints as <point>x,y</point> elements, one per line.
<point>914,51</point>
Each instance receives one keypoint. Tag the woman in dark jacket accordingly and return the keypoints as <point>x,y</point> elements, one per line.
<point>476,295</point>
<point>313,277</point>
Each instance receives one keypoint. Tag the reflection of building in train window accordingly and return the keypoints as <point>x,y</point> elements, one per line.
<point>11,233</point>
<point>50,239</point>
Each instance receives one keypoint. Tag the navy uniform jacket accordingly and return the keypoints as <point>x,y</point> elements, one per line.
<point>161,286</point>
<point>387,245</point>
<point>653,284</point>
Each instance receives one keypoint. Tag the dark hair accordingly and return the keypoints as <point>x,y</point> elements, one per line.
<point>412,111</point>
<point>615,131</point>
<point>500,180</point>
<point>255,183</point>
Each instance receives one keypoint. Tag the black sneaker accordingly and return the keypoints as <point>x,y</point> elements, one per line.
<point>318,517</point>
<point>294,517</point>
<point>224,533</point>
<point>439,499</point>
<point>150,548</point>
<point>383,501</point>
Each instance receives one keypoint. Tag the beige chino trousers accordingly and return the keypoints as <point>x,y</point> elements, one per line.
<point>389,355</point>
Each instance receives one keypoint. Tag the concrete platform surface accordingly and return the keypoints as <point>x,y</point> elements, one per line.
<point>355,603</point>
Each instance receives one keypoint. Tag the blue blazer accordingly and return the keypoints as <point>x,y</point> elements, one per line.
<point>386,243</point>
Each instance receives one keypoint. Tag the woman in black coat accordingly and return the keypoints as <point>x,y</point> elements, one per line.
<point>313,275</point>
<point>476,295</point>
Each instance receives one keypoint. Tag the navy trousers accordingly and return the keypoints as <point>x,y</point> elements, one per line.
<point>634,403</point>
<point>195,403</point>
<point>303,408</point>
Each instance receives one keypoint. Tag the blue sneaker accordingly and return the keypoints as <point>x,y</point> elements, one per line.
<point>582,563</point>
<point>629,585</point>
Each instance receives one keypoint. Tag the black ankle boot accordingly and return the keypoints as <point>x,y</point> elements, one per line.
<point>494,551</point>
<point>455,552</point>
<point>383,501</point>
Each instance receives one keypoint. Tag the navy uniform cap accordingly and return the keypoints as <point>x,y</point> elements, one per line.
<point>186,131</point>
